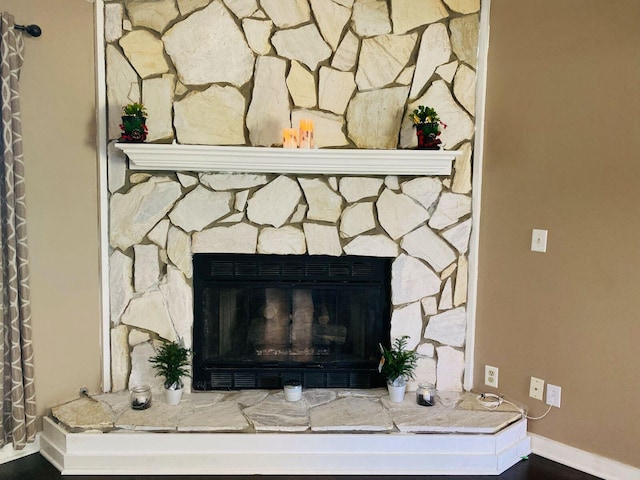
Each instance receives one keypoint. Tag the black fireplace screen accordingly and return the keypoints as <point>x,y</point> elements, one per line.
<point>261,320</point>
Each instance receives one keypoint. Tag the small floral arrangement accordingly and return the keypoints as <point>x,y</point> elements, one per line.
<point>135,109</point>
<point>428,127</point>
<point>133,126</point>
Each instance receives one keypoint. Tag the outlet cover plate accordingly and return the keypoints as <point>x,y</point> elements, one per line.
<point>536,388</point>
<point>491,376</point>
<point>554,394</point>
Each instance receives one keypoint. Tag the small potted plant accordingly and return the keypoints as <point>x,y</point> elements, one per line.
<point>428,127</point>
<point>133,126</point>
<point>172,362</point>
<point>397,365</point>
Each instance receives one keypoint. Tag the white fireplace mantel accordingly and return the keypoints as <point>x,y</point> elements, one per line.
<point>209,158</point>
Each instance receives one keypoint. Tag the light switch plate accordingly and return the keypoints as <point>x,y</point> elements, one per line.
<point>539,240</point>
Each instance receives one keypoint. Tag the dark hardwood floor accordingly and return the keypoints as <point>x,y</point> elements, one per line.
<point>35,467</point>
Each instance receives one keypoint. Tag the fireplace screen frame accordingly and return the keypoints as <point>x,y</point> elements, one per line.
<point>216,271</point>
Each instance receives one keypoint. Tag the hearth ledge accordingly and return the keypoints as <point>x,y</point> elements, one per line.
<point>213,158</point>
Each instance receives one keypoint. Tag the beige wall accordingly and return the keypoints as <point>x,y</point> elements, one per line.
<point>57,87</point>
<point>562,143</point>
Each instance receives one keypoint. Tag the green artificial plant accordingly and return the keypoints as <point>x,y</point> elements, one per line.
<point>171,362</point>
<point>398,364</point>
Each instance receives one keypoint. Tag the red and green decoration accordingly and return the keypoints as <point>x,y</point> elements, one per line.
<point>133,126</point>
<point>428,127</point>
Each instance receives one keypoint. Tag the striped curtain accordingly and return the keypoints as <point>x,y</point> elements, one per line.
<point>16,353</point>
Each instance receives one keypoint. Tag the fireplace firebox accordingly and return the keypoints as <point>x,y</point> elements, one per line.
<point>263,320</point>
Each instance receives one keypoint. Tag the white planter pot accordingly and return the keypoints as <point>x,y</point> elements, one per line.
<point>396,394</point>
<point>173,397</point>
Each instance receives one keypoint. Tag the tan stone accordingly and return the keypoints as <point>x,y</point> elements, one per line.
<point>145,52</point>
<point>335,89</point>
<point>302,86</point>
<point>382,58</point>
<point>409,14</point>
<point>464,38</point>
<point>371,17</point>
<point>153,14</point>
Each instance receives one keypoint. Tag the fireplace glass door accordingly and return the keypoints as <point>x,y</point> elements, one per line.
<point>261,320</point>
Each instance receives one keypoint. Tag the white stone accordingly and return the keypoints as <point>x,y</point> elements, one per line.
<point>446,273</point>
<point>258,33</point>
<point>435,50</point>
<point>81,413</point>
<point>382,59</point>
<point>328,127</point>
<point>464,38</point>
<point>242,8</point>
<point>450,369</point>
<point>407,321</point>
<point>232,181</point>
<point>233,218</point>
<point>120,362</point>
<point>120,78</point>
<point>345,57</point>
<point>352,414</point>
<point>274,203</point>
<point>357,188</point>
<point>287,13</point>
<point>425,371</point>
<point>429,306</point>
<point>324,204</point>
<point>458,236</point>
<point>268,111</point>
<point>146,267</point>
<point>398,214</point>
<point>406,76</point>
<point>153,14</point>
<point>241,200</point>
<point>145,52</point>
<point>369,129</point>
<point>451,207</point>
<point>285,240</point>
<point>275,414</point>
<point>302,86</point>
<point>304,44</point>
<point>372,245</point>
<point>331,18</point>
<point>463,6</point>
<point>392,182</point>
<point>446,298</point>
<point>179,250</point>
<point>178,297</point>
<point>424,190</point>
<point>222,54</point>
<point>357,219</point>
<point>428,350</point>
<point>136,337</point>
<point>113,14</point>
<point>464,88</point>
<point>158,234</point>
<point>409,14</point>
<point>460,127</point>
<point>142,372</point>
<point>149,313</point>
<point>424,243</point>
<point>116,167</point>
<point>371,17</point>
<point>460,292</point>
<point>134,213</point>
<point>186,180</point>
<point>157,96</point>
<point>240,238</point>
<point>139,177</point>
<point>199,208</point>
<point>462,167</point>
<point>411,280</point>
<point>447,71</point>
<point>120,284</point>
<point>448,328</point>
<point>212,117</point>
<point>299,214</point>
<point>322,239</point>
<point>188,6</point>
<point>335,89</point>
<point>219,417</point>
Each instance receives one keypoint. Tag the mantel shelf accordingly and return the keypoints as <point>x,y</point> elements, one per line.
<point>208,158</point>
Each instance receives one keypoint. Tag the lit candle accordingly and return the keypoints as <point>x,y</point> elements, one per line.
<point>306,133</point>
<point>289,138</point>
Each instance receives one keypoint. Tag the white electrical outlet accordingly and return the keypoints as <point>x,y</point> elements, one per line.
<point>554,393</point>
<point>536,388</point>
<point>491,376</point>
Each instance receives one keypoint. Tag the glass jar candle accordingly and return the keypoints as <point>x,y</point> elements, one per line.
<point>426,394</point>
<point>140,396</point>
<point>292,390</point>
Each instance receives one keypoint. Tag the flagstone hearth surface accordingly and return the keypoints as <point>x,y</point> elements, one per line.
<point>322,410</point>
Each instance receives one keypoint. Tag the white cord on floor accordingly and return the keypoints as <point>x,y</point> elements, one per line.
<point>491,401</point>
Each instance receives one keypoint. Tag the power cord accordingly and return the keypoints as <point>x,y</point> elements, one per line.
<point>491,401</point>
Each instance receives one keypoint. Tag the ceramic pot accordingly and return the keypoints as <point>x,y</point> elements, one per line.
<point>173,397</point>
<point>396,394</point>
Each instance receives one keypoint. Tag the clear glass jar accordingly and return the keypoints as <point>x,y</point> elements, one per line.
<point>426,394</point>
<point>292,390</point>
<point>140,397</point>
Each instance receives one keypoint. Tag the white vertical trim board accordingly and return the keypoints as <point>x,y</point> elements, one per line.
<point>476,192</point>
<point>581,460</point>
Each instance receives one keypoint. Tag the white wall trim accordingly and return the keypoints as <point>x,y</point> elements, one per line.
<point>476,192</point>
<point>581,460</point>
<point>8,453</point>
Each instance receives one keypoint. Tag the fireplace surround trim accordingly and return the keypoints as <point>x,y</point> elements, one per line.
<point>215,158</point>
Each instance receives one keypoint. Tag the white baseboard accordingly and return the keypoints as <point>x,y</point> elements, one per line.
<point>8,453</point>
<point>581,460</point>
